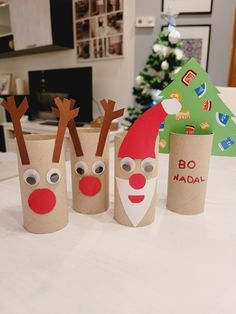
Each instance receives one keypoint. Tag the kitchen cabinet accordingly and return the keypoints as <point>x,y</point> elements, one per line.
<point>39,26</point>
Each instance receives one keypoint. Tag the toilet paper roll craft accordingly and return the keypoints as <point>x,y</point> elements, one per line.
<point>188,172</point>
<point>201,102</point>
<point>136,166</point>
<point>42,173</point>
<point>90,165</point>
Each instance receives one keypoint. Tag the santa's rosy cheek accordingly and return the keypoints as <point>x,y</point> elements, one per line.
<point>137,181</point>
<point>42,201</point>
<point>90,185</point>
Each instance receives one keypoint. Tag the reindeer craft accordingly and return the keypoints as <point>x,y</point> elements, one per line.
<point>42,172</point>
<point>90,162</point>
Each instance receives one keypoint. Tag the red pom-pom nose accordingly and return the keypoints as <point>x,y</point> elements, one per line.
<point>42,201</point>
<point>137,181</point>
<point>90,185</point>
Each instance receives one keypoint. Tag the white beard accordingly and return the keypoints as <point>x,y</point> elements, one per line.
<point>136,211</point>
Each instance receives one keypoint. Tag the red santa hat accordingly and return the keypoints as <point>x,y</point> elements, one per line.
<point>139,142</point>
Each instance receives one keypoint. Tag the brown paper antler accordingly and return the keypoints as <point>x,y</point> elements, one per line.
<point>16,114</point>
<point>66,114</point>
<point>110,115</point>
<point>71,126</point>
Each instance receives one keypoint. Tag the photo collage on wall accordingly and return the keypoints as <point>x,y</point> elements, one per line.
<point>99,29</point>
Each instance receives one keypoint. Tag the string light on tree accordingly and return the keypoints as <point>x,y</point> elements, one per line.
<point>165,65</point>
<point>139,79</point>
<point>157,48</point>
<point>156,94</point>
<point>178,53</point>
<point>174,37</point>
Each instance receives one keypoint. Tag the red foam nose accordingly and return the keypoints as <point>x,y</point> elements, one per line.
<point>137,181</point>
<point>90,185</point>
<point>42,201</point>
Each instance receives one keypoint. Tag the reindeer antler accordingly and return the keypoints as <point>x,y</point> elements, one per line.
<point>16,114</point>
<point>66,114</point>
<point>110,115</point>
<point>71,126</point>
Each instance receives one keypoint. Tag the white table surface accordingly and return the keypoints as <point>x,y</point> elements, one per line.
<point>178,265</point>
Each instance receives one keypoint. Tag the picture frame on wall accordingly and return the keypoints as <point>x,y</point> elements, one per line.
<point>99,29</point>
<point>196,42</point>
<point>188,6</point>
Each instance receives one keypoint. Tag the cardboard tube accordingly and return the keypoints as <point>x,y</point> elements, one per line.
<point>125,212</point>
<point>90,191</point>
<point>44,204</point>
<point>188,172</point>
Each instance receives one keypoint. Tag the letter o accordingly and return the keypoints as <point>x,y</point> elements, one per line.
<point>191,164</point>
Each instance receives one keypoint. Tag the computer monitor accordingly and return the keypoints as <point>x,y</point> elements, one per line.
<point>45,85</point>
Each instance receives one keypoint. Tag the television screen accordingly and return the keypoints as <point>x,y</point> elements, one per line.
<point>45,85</point>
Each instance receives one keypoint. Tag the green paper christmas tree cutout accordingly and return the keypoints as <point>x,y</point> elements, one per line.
<point>202,111</point>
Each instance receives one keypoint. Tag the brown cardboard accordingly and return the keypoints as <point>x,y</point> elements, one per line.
<point>16,114</point>
<point>100,202</point>
<point>120,214</point>
<point>66,114</point>
<point>110,115</point>
<point>71,126</point>
<point>40,149</point>
<point>188,172</point>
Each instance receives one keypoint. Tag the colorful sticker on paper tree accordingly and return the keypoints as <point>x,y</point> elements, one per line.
<point>189,129</point>
<point>176,95</point>
<point>207,105</point>
<point>162,126</point>
<point>225,144</point>
<point>204,126</point>
<point>162,144</point>
<point>200,91</point>
<point>183,115</point>
<point>188,77</point>
<point>222,118</point>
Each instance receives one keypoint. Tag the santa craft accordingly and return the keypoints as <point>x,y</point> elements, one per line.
<point>136,166</point>
<point>90,163</point>
<point>41,172</point>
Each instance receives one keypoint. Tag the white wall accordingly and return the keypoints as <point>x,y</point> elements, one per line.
<point>221,21</point>
<point>111,78</point>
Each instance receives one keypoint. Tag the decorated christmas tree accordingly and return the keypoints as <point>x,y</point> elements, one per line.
<point>202,111</point>
<point>165,60</point>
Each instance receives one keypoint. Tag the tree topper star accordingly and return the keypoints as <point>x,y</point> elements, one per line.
<point>170,17</point>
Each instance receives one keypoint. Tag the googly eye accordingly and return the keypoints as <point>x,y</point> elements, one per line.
<point>98,167</point>
<point>53,176</point>
<point>127,164</point>
<point>81,168</point>
<point>148,165</point>
<point>31,177</point>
